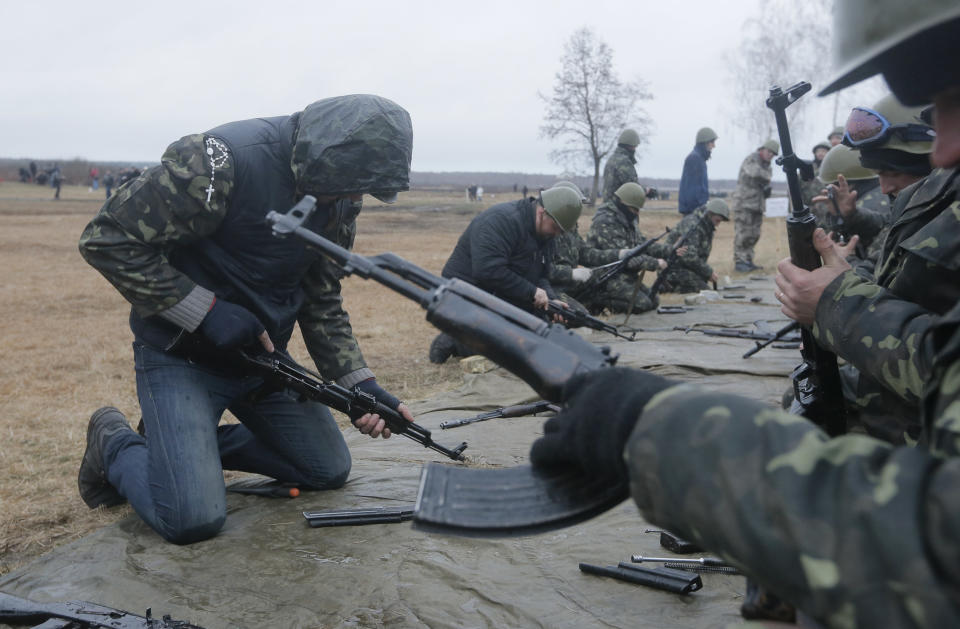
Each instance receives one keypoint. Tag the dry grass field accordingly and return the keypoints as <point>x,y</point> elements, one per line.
<point>66,345</point>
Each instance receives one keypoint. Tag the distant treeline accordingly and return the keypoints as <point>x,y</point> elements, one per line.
<point>76,171</point>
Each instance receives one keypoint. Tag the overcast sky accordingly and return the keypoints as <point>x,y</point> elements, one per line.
<point>121,80</point>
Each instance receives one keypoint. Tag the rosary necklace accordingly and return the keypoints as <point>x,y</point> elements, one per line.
<point>217,152</point>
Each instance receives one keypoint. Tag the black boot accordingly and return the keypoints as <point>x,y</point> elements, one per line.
<point>95,490</point>
<point>443,347</point>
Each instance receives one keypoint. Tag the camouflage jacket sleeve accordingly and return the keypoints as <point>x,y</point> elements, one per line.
<point>872,215</point>
<point>164,207</point>
<point>323,322</point>
<point>565,257</point>
<point>853,531</point>
<point>877,332</point>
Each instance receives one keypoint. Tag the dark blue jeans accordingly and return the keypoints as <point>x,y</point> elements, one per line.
<point>174,477</point>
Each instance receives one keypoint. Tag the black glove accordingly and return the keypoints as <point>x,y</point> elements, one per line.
<point>767,191</point>
<point>600,411</point>
<point>229,326</point>
<point>370,387</point>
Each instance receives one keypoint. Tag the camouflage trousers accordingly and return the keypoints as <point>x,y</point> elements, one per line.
<point>618,293</point>
<point>683,281</point>
<point>746,224</point>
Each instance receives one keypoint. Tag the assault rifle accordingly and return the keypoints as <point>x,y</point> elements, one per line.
<point>779,335</point>
<point>543,355</point>
<point>610,270</point>
<point>358,517</point>
<point>575,318</point>
<point>80,615</point>
<point>518,410</point>
<point>816,381</point>
<point>280,373</point>
<point>787,334</point>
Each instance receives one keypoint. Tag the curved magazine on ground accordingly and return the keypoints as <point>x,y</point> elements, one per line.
<point>508,502</point>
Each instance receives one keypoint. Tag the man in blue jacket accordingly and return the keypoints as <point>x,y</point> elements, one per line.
<point>694,186</point>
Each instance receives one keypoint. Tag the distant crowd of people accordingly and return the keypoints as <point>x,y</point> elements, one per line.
<point>54,177</point>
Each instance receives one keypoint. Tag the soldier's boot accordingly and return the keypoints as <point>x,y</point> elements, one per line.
<point>442,348</point>
<point>105,424</point>
<point>743,267</point>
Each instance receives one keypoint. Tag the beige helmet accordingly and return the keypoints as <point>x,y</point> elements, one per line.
<point>771,145</point>
<point>572,186</point>
<point>629,137</point>
<point>563,205</point>
<point>837,131</point>
<point>718,207</point>
<point>631,194</point>
<point>912,43</point>
<point>706,134</point>
<point>843,160</point>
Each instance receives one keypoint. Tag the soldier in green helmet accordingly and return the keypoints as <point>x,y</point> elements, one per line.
<point>853,531</point>
<point>614,226</point>
<point>619,168</point>
<point>506,250</point>
<point>748,203</point>
<point>694,184</point>
<point>835,136</point>
<point>691,272</point>
<point>812,187</point>
<point>573,257</point>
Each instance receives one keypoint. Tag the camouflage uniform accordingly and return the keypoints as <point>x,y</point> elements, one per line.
<point>870,221</point>
<point>917,277</point>
<point>690,273</point>
<point>618,170</point>
<point>747,204</point>
<point>852,530</point>
<point>571,251</point>
<point>614,229</point>
<point>811,189</point>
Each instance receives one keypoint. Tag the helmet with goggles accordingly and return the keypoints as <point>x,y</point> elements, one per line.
<point>888,125</point>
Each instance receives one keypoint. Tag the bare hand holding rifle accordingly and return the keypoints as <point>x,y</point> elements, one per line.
<point>818,394</point>
<point>518,410</point>
<point>283,374</point>
<point>597,280</point>
<point>575,318</point>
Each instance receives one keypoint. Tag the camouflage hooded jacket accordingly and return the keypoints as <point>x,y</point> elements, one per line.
<point>853,531</point>
<point>755,175</point>
<point>193,227</point>
<point>618,170</point>
<point>699,231</point>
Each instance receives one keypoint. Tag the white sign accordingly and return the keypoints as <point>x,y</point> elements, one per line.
<point>778,206</point>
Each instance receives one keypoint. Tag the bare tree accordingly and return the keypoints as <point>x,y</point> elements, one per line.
<point>590,105</point>
<point>786,42</point>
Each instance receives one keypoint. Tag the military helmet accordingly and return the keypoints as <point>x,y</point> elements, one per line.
<point>821,145</point>
<point>572,186</point>
<point>631,194</point>
<point>718,207</point>
<point>771,145</point>
<point>629,137</point>
<point>706,134</point>
<point>843,160</point>
<point>913,44</point>
<point>838,131</point>
<point>563,205</point>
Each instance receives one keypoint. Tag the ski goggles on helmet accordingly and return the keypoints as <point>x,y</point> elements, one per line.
<point>867,128</point>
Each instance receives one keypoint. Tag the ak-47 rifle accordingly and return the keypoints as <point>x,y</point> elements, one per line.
<point>816,381</point>
<point>543,355</point>
<point>283,374</point>
<point>517,410</point>
<point>610,270</point>
<point>79,615</point>
<point>575,319</point>
<point>779,335</point>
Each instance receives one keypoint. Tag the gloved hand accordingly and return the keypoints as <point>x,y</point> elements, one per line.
<point>370,387</point>
<point>229,326</point>
<point>600,411</point>
<point>767,191</point>
<point>581,274</point>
